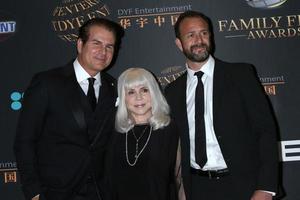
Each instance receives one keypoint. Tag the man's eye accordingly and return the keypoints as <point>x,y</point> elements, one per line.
<point>205,33</point>
<point>191,35</point>
<point>96,43</point>
<point>110,47</point>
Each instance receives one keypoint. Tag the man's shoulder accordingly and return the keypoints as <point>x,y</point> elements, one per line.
<point>56,71</point>
<point>53,75</point>
<point>234,69</point>
<point>234,66</point>
<point>177,82</point>
<point>109,79</point>
<point>240,73</point>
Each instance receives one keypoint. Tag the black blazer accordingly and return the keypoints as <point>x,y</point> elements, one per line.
<point>54,146</point>
<point>243,122</point>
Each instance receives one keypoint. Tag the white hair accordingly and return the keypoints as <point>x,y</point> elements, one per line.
<point>160,109</point>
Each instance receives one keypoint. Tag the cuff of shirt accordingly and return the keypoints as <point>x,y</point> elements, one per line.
<point>272,193</point>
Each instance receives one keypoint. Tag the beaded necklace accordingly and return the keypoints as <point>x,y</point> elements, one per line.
<point>137,153</point>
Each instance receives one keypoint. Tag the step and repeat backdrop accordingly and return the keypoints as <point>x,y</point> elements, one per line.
<point>39,35</point>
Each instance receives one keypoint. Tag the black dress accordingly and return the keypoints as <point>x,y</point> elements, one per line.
<point>152,176</point>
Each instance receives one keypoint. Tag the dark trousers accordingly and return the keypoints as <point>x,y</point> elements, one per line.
<point>224,188</point>
<point>88,191</point>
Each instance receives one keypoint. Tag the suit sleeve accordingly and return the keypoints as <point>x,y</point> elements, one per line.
<point>263,126</point>
<point>29,128</point>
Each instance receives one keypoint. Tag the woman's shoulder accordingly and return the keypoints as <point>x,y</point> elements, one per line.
<point>172,125</point>
<point>171,130</point>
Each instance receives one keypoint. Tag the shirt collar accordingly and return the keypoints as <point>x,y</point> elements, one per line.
<point>207,68</point>
<point>82,75</point>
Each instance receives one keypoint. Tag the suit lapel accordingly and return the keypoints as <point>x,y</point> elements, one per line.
<point>105,95</point>
<point>182,101</point>
<point>219,87</point>
<point>182,117</point>
<point>105,106</point>
<point>72,90</point>
<point>179,104</point>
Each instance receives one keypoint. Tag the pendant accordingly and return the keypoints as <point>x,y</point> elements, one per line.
<point>136,149</point>
<point>137,153</point>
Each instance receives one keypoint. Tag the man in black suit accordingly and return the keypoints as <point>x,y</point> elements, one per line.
<point>234,155</point>
<point>66,120</point>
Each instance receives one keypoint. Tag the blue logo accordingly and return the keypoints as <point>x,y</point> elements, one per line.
<point>16,98</point>
<point>8,26</point>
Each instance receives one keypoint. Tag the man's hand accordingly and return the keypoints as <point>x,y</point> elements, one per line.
<point>37,197</point>
<point>261,195</point>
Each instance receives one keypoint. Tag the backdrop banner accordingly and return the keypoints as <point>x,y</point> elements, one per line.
<point>40,35</point>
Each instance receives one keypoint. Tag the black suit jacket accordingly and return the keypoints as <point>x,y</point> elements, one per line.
<point>243,122</point>
<point>55,148</point>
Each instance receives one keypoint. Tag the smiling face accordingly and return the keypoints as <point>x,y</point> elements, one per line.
<point>138,103</point>
<point>97,52</point>
<point>194,41</point>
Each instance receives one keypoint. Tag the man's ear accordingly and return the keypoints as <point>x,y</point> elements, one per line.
<point>79,45</point>
<point>178,44</point>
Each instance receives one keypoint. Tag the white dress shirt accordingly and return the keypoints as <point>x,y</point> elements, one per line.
<point>215,158</point>
<point>82,78</point>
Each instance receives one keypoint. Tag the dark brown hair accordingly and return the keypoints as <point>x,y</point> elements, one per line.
<point>112,26</point>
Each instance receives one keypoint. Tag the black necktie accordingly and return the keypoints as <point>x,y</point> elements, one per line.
<point>200,137</point>
<point>91,93</point>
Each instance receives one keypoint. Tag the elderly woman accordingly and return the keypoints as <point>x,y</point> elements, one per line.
<point>144,149</point>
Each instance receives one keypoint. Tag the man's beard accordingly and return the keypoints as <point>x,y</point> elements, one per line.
<point>195,57</point>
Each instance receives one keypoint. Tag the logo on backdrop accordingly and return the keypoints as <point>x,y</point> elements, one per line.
<point>69,15</point>
<point>170,74</point>
<point>8,172</point>
<point>265,3</point>
<point>139,18</point>
<point>16,98</point>
<point>7,26</point>
<point>271,84</point>
<point>258,28</point>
